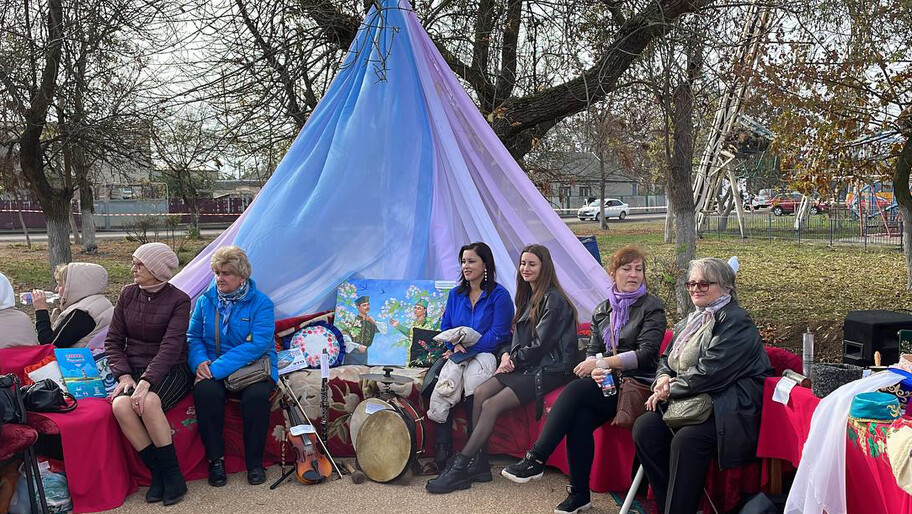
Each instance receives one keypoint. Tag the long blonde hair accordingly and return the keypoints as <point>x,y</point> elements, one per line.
<point>547,279</point>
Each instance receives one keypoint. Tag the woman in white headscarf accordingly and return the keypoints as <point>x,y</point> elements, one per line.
<point>15,326</point>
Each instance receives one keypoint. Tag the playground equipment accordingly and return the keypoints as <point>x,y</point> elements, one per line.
<point>876,209</point>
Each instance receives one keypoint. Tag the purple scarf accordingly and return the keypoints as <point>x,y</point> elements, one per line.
<point>620,312</point>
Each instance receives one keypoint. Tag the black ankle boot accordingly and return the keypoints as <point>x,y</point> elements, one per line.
<point>441,454</point>
<point>452,478</point>
<point>172,478</point>
<point>479,469</point>
<point>156,489</point>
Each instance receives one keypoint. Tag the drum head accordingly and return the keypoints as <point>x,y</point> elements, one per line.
<point>362,412</point>
<point>384,446</point>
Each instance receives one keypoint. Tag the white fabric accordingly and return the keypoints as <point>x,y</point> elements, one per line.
<point>466,336</point>
<point>454,379</point>
<point>820,480</point>
<point>899,448</point>
<point>7,298</point>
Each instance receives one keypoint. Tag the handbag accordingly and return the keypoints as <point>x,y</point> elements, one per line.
<point>10,410</point>
<point>631,402</point>
<point>688,411</point>
<point>47,396</point>
<point>255,372</point>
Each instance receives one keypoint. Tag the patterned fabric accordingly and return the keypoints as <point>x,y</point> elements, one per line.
<point>697,320</point>
<point>869,437</point>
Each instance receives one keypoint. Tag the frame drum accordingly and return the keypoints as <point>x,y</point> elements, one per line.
<point>388,441</point>
<point>362,412</point>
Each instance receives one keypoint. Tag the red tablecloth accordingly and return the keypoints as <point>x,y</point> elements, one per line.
<point>784,428</point>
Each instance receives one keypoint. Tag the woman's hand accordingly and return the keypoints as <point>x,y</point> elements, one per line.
<point>459,348</point>
<point>446,354</point>
<point>203,372</point>
<point>599,374</point>
<point>584,369</point>
<point>660,392</point>
<point>138,398</point>
<point>39,300</point>
<point>652,401</point>
<point>506,365</point>
<point>125,385</point>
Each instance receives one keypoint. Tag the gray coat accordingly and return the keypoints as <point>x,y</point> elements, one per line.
<point>731,367</point>
<point>643,334</point>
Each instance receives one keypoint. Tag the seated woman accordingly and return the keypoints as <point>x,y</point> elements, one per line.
<point>539,359</point>
<point>17,327</point>
<point>630,324</point>
<point>716,350</point>
<point>84,310</point>
<point>146,348</point>
<point>484,305</point>
<point>245,325</point>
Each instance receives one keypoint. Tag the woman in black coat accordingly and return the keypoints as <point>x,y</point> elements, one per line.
<point>537,360</point>
<point>716,351</point>
<point>628,329</point>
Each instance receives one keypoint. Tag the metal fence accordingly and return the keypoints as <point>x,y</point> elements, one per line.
<point>834,227</point>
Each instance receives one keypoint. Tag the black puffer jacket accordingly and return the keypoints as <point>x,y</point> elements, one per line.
<point>554,343</point>
<point>643,334</point>
<point>731,367</point>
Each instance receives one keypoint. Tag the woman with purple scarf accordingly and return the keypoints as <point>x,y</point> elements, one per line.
<point>628,328</point>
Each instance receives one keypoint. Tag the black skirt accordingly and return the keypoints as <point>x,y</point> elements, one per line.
<point>173,387</point>
<point>523,384</point>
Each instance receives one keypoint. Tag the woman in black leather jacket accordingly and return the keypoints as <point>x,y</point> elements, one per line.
<point>716,351</point>
<point>539,359</point>
<point>636,320</point>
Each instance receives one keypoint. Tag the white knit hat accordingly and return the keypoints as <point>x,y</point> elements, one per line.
<point>159,259</point>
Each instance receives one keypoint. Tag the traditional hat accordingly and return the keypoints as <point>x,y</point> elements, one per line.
<point>422,302</point>
<point>362,299</point>
<point>875,407</point>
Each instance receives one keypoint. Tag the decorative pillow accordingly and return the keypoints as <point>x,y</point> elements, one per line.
<point>313,339</point>
<point>424,350</point>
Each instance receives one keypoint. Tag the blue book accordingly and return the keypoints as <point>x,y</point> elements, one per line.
<point>80,373</point>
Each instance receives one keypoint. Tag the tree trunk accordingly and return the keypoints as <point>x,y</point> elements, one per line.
<point>87,205</point>
<point>74,228</point>
<point>904,201</point>
<point>681,192</point>
<point>28,239</point>
<point>57,215</point>
<point>603,221</point>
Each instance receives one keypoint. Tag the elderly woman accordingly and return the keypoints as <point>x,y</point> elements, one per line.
<point>716,352</point>
<point>84,309</point>
<point>146,348</point>
<point>244,320</point>
<point>536,361</point>
<point>17,327</point>
<point>628,327</point>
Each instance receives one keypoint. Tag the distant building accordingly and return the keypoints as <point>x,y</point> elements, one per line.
<point>570,180</point>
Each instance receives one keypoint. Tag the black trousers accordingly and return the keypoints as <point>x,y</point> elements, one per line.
<point>443,432</point>
<point>210,396</point>
<point>578,411</point>
<point>675,465</point>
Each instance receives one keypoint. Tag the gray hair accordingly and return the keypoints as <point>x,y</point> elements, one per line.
<point>715,270</point>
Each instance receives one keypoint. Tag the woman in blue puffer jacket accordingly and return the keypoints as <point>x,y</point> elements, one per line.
<point>246,326</point>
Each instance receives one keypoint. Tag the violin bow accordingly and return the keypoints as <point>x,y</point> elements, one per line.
<point>290,393</point>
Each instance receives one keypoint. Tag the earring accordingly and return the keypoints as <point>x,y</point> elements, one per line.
<point>485,279</point>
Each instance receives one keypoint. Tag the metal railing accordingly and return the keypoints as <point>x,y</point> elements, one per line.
<point>834,228</point>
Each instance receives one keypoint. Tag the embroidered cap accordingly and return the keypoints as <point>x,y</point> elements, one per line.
<point>875,407</point>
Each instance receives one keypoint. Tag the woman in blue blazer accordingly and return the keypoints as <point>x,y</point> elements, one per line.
<point>246,327</point>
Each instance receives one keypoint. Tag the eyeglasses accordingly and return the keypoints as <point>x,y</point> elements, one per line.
<point>701,286</point>
<point>138,265</point>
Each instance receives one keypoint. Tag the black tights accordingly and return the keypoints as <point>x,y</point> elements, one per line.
<point>491,400</point>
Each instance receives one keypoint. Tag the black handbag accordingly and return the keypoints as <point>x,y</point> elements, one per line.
<point>10,409</point>
<point>46,396</point>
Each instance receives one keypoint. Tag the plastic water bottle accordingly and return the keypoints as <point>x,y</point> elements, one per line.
<point>807,352</point>
<point>26,298</point>
<point>608,387</point>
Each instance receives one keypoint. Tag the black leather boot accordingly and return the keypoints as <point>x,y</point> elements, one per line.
<point>441,454</point>
<point>453,477</point>
<point>172,478</point>
<point>156,489</point>
<point>479,469</point>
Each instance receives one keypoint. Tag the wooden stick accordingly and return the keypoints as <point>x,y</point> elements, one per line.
<point>357,477</point>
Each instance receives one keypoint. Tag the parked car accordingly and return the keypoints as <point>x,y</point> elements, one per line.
<point>613,209</point>
<point>787,203</point>
<point>760,201</point>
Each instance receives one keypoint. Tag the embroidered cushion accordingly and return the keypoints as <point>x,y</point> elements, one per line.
<point>313,339</point>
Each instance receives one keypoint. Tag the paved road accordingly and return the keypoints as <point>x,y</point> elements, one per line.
<point>41,237</point>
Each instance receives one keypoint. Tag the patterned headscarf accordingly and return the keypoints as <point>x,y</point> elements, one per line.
<point>696,321</point>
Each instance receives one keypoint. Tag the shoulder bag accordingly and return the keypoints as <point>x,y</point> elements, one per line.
<point>631,402</point>
<point>47,396</point>
<point>688,411</point>
<point>256,371</point>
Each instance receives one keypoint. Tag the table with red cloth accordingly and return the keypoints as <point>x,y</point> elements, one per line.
<point>870,485</point>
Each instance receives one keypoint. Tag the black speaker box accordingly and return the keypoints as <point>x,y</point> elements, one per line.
<point>866,332</point>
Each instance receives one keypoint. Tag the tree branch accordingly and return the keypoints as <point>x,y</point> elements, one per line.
<point>506,80</point>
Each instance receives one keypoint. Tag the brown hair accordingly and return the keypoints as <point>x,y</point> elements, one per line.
<point>625,255</point>
<point>547,279</point>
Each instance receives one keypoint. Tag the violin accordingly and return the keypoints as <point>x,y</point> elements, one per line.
<point>312,466</point>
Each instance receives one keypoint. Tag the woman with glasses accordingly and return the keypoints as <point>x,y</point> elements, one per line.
<point>717,352</point>
<point>146,348</point>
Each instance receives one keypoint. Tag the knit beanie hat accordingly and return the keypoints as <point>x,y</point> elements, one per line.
<point>159,259</point>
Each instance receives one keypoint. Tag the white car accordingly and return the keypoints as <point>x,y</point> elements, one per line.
<point>613,209</point>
